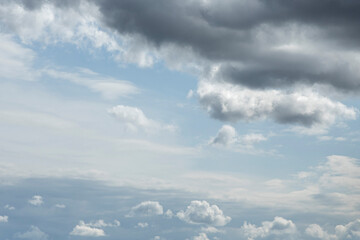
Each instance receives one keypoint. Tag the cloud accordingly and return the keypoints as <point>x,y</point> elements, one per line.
<point>215,31</point>
<point>279,226</point>
<point>147,209</point>
<point>168,214</point>
<point>263,57</point>
<point>60,205</point>
<point>85,230</point>
<point>316,231</point>
<point>8,207</point>
<point>101,223</point>
<point>342,232</point>
<point>34,233</point>
<point>108,87</point>
<point>201,212</point>
<point>134,119</point>
<point>36,200</point>
<point>202,236</point>
<point>228,137</point>
<point>306,109</point>
<point>4,219</point>
<point>210,229</point>
<point>340,172</point>
<point>16,60</point>
<point>142,224</point>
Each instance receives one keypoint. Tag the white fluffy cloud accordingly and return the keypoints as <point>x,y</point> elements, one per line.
<point>4,219</point>
<point>279,226</point>
<point>85,230</point>
<point>311,112</point>
<point>202,236</point>
<point>148,208</point>
<point>134,119</point>
<point>8,207</point>
<point>36,200</point>
<point>201,212</point>
<point>101,223</point>
<point>227,136</point>
<point>34,233</point>
<point>342,232</point>
<point>142,224</point>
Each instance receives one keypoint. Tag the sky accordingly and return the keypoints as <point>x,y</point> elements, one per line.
<point>179,120</point>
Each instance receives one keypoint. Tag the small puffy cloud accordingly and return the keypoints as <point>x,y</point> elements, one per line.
<point>148,208</point>
<point>190,94</point>
<point>85,230</point>
<point>158,238</point>
<point>168,214</point>
<point>227,136</point>
<point>309,111</point>
<point>342,232</point>
<point>60,206</point>
<point>316,231</point>
<point>8,207</point>
<point>202,236</point>
<point>134,119</point>
<point>36,200</point>
<point>34,233</point>
<point>201,212</point>
<point>250,139</point>
<point>348,231</point>
<point>279,226</point>
<point>143,224</point>
<point>210,229</point>
<point>4,219</point>
<point>101,223</point>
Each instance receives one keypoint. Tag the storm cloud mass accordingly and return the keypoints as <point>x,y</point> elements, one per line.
<point>263,46</point>
<point>259,44</point>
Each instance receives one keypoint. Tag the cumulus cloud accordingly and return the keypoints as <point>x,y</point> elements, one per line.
<point>202,236</point>
<point>279,226</point>
<point>34,233</point>
<point>134,119</point>
<point>306,109</point>
<point>147,208</point>
<point>36,200</point>
<point>142,224</point>
<point>342,232</point>
<point>4,219</point>
<point>227,136</point>
<point>201,212</point>
<point>210,229</point>
<point>8,207</point>
<point>85,230</point>
<point>101,223</point>
<point>168,214</point>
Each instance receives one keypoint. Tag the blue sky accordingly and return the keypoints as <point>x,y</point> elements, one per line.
<point>179,120</point>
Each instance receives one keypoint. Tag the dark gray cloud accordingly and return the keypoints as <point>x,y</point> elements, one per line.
<point>242,35</point>
<point>258,44</point>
